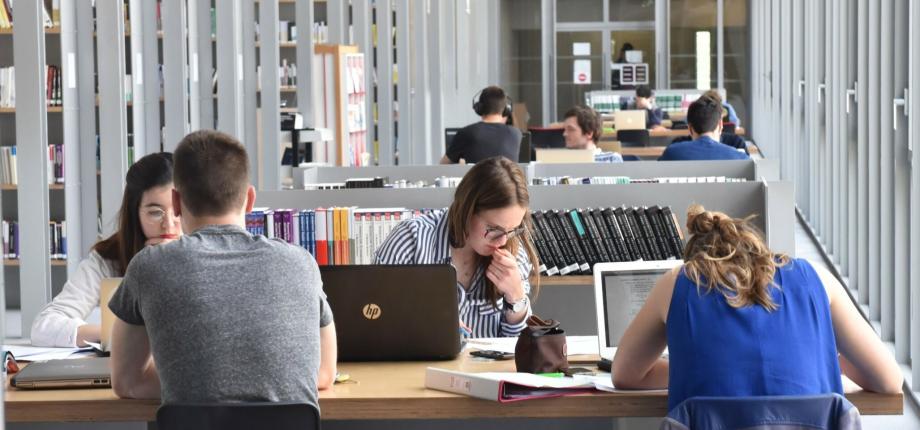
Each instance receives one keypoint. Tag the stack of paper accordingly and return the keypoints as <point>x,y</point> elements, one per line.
<point>34,353</point>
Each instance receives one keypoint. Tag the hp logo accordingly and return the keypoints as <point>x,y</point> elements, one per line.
<point>371,311</point>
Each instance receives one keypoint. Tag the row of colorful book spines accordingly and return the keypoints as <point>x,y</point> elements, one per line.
<point>572,241</point>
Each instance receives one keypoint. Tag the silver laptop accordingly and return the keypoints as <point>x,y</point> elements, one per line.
<point>406,312</point>
<point>69,373</point>
<point>629,120</point>
<point>620,290</point>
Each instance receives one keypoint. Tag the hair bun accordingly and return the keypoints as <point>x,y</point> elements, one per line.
<point>699,220</point>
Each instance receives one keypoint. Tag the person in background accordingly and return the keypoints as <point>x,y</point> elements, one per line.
<point>704,117</point>
<point>741,320</point>
<point>615,71</point>
<point>485,235</point>
<point>645,100</point>
<point>145,218</point>
<point>221,315</point>
<point>582,130</point>
<point>493,136</point>
<point>730,113</point>
<point>731,139</point>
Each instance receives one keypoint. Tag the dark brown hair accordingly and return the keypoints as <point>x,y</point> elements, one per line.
<point>151,171</point>
<point>211,173</point>
<point>588,120</point>
<point>704,115</point>
<point>493,183</point>
<point>730,254</point>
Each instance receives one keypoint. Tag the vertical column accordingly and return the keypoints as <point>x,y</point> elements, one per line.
<point>720,45</point>
<point>113,129</point>
<point>337,12</point>
<point>153,136</point>
<point>139,98</point>
<point>548,47</point>
<point>886,170</point>
<point>303,11</point>
<point>175,72</point>
<point>405,144</point>
<point>71,121</point>
<point>230,69</point>
<point>435,38</point>
<point>423,149</point>
<point>201,43</point>
<point>269,58</point>
<point>250,136</point>
<point>914,142</point>
<point>361,11</point>
<point>385,117</point>
<point>901,194</point>
<point>32,152</point>
<point>873,161</point>
<point>862,143</point>
<point>86,99</point>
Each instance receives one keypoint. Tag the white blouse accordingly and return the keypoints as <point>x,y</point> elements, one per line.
<point>57,323</point>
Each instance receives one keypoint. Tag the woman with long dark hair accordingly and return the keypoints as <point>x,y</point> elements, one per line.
<point>146,218</point>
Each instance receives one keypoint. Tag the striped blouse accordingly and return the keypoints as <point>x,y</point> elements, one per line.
<point>423,240</point>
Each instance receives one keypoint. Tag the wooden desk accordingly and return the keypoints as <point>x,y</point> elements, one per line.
<point>653,152</point>
<point>387,391</point>
<point>685,132</point>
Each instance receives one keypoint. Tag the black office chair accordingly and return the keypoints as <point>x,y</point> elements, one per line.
<point>524,151</point>
<point>238,416</point>
<point>631,157</point>
<point>729,128</point>
<point>633,138</point>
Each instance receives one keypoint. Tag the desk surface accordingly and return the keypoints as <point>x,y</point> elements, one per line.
<point>387,391</point>
<point>653,152</point>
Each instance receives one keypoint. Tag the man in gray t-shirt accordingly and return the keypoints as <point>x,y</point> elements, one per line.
<point>225,315</point>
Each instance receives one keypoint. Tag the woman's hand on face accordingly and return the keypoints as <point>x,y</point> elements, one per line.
<point>503,272</point>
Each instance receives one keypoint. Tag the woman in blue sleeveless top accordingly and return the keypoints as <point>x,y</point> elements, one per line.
<point>739,320</point>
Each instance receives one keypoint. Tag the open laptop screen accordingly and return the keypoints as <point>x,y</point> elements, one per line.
<point>620,291</point>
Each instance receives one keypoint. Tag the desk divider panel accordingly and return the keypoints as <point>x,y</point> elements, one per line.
<point>570,298</point>
<point>748,169</point>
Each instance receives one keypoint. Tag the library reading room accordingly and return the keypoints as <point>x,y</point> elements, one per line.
<point>460,214</point>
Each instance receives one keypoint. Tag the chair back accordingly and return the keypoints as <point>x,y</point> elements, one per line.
<point>825,411</point>
<point>633,138</point>
<point>238,416</point>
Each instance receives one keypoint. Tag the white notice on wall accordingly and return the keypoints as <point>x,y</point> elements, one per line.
<point>581,73</point>
<point>581,48</point>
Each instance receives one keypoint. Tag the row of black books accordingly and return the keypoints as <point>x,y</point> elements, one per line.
<point>572,241</point>
<point>57,234</point>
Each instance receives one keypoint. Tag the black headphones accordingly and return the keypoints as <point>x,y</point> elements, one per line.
<point>479,108</point>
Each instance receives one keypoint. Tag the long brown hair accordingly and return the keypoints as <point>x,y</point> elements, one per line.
<point>493,183</point>
<point>151,171</point>
<point>729,253</point>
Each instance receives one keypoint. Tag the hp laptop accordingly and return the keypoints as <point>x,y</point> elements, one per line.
<point>629,120</point>
<point>72,373</point>
<point>620,290</point>
<point>386,313</point>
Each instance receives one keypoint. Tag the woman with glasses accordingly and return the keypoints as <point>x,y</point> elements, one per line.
<point>145,218</point>
<point>484,235</point>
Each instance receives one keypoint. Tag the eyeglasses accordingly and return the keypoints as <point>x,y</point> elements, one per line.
<point>153,215</point>
<point>494,234</point>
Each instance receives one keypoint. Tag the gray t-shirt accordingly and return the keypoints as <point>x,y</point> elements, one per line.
<point>230,316</point>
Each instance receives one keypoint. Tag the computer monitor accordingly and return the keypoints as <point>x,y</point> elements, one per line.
<point>620,290</point>
<point>524,151</point>
<point>546,137</point>
<point>449,134</point>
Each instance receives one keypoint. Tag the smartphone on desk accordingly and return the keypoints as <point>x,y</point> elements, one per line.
<point>494,355</point>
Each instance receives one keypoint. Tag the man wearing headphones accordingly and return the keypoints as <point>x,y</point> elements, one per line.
<point>489,137</point>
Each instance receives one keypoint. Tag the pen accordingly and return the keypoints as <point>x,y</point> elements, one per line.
<point>552,375</point>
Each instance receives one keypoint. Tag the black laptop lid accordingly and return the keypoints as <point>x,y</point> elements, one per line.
<point>404,312</point>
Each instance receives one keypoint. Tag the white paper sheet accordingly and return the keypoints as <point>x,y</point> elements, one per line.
<point>35,353</point>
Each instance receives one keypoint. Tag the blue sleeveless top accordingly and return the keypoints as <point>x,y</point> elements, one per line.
<point>718,350</point>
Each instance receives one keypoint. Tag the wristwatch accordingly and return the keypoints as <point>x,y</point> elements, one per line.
<point>519,306</point>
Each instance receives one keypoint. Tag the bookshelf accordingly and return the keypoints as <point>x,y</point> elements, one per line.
<point>342,109</point>
<point>570,298</point>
